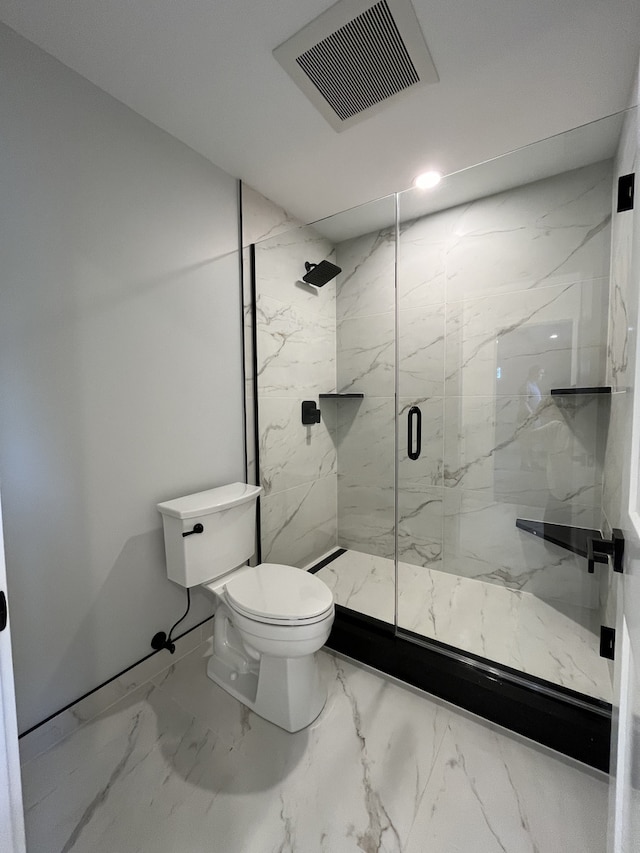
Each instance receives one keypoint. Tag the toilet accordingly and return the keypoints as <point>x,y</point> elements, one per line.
<point>270,619</point>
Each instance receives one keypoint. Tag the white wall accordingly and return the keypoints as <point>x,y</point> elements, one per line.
<point>120,369</point>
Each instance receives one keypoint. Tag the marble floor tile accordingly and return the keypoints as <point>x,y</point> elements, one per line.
<point>71,719</point>
<point>179,766</point>
<point>363,582</point>
<point>555,641</point>
<point>490,793</point>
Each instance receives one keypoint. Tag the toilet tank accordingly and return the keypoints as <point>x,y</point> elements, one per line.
<point>228,518</point>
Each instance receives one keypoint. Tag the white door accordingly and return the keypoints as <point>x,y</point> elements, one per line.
<point>11,815</point>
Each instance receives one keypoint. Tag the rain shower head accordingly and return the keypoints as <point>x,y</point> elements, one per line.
<point>320,274</point>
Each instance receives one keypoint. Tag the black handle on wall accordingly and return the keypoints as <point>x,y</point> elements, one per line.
<point>414,413</point>
<point>3,611</point>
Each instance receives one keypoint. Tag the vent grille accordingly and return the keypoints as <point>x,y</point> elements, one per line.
<point>356,57</point>
<point>361,64</point>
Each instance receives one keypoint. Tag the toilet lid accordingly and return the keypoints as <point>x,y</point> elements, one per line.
<point>272,591</point>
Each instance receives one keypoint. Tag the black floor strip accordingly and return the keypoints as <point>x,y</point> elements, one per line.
<point>327,560</point>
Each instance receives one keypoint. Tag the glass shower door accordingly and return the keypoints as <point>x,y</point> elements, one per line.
<point>502,412</point>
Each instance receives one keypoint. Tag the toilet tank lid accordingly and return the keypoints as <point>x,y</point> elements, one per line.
<point>211,500</point>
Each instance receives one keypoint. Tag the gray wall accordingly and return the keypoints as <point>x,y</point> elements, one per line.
<point>120,369</point>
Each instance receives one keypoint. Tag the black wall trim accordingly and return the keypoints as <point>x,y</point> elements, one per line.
<point>109,680</point>
<point>581,731</point>
<point>254,366</point>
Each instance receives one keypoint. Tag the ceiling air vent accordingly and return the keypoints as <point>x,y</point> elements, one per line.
<point>357,57</point>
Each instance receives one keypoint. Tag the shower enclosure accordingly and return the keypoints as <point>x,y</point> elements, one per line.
<point>459,363</point>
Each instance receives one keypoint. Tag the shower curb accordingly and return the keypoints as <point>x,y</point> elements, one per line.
<point>561,719</point>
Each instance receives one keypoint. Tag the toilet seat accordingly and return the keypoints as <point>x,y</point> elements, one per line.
<point>279,595</point>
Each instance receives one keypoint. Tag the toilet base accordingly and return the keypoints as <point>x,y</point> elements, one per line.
<point>285,691</point>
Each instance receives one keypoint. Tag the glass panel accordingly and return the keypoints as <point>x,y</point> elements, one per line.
<point>503,290</point>
<point>329,486</point>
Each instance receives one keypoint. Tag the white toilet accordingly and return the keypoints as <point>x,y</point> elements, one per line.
<point>269,621</point>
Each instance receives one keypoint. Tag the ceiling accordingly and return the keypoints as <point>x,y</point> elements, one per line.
<point>511,72</point>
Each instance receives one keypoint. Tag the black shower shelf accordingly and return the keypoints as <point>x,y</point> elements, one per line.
<point>572,538</point>
<point>567,392</point>
<point>341,396</point>
<point>580,540</point>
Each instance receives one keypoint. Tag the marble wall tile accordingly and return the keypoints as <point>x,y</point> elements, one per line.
<point>296,348</point>
<point>621,368</point>
<point>366,516</point>
<point>481,541</point>
<point>505,336</point>
<point>296,351</point>
<point>421,337</point>
<point>622,340</point>
<point>616,460</point>
<point>550,459</point>
<point>366,285</point>
<point>422,256</point>
<point>366,434</point>
<point>290,453</point>
<point>420,524</point>
<point>621,305</point>
<point>366,355</point>
<point>554,231</point>
<point>280,265</point>
<point>261,218</point>
<point>299,524</point>
<point>428,468</point>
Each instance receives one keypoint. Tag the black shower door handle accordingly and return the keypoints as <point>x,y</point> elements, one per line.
<point>415,415</point>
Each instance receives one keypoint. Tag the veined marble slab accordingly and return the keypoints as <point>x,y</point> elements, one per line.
<point>548,232</point>
<point>181,767</point>
<point>367,283</point>
<point>554,641</point>
<point>292,454</point>
<point>296,350</point>
<point>299,523</point>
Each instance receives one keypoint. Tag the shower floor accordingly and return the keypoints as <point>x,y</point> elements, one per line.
<point>551,640</point>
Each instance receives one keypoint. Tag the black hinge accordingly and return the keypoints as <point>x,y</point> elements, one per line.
<point>607,642</point>
<point>3,611</point>
<point>626,185</point>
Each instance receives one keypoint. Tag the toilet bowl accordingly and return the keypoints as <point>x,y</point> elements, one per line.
<point>269,622</point>
<point>270,619</point>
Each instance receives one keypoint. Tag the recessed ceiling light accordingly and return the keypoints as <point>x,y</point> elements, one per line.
<point>427,180</point>
<point>553,337</point>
